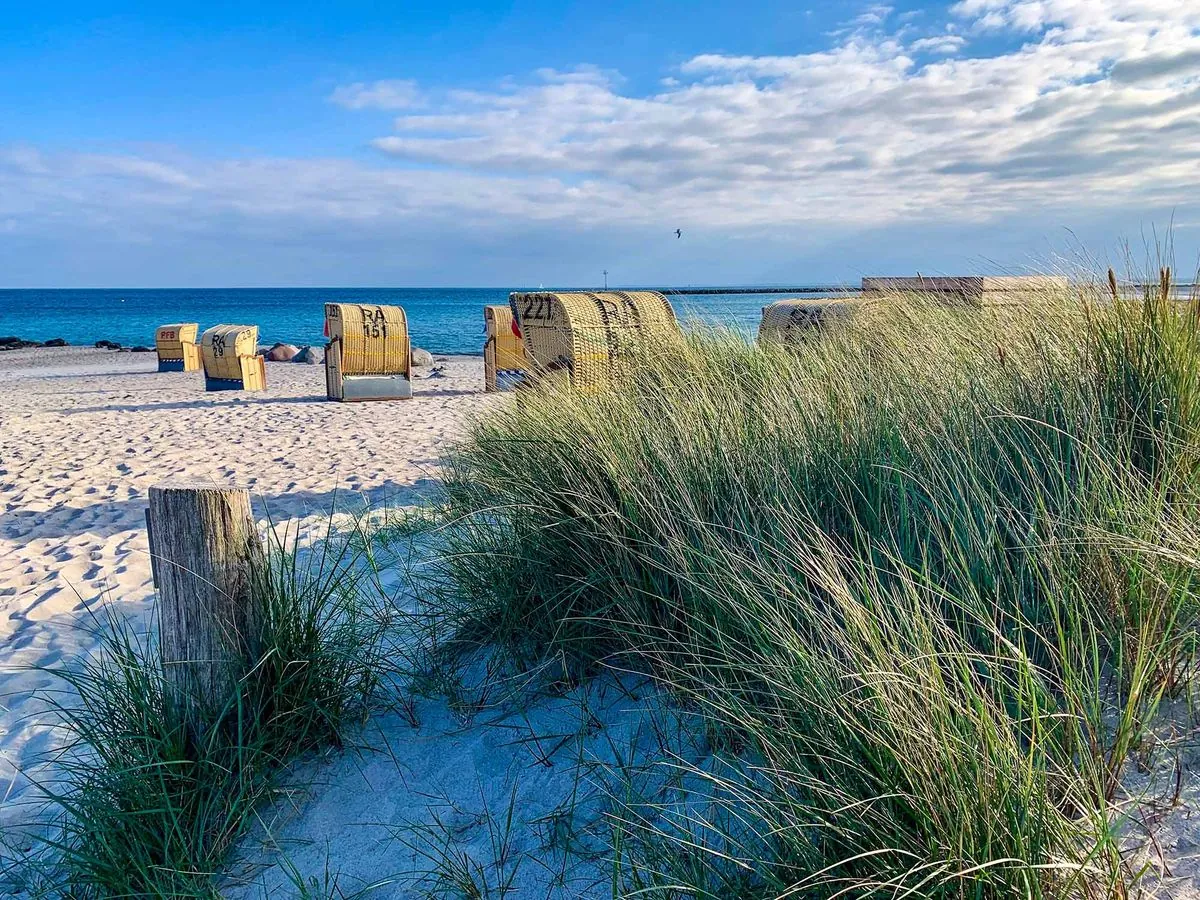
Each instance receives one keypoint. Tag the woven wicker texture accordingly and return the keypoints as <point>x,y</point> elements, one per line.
<point>169,339</point>
<point>503,351</point>
<point>374,339</point>
<point>223,347</point>
<point>978,290</point>
<point>586,334</point>
<point>788,321</point>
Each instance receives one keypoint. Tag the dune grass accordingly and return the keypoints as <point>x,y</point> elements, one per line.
<point>927,575</point>
<point>151,809</point>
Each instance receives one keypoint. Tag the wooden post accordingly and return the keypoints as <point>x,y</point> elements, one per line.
<point>204,544</point>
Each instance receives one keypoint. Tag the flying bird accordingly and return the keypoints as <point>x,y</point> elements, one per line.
<point>678,233</point>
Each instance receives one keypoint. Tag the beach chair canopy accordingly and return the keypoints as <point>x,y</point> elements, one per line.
<point>170,339</point>
<point>588,336</point>
<point>978,290</point>
<point>369,355</point>
<point>374,339</point>
<point>231,360</point>
<point>788,321</point>
<point>505,362</point>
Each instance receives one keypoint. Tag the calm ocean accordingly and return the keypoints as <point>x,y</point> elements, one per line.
<point>442,320</point>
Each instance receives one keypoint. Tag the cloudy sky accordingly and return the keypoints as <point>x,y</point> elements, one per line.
<point>527,143</point>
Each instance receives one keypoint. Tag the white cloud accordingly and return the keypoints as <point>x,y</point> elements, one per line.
<point>945,44</point>
<point>862,130</point>
<point>388,94</point>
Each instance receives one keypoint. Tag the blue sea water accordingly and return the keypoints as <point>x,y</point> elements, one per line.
<point>442,320</point>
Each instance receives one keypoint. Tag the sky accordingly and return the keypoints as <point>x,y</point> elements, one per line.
<point>535,142</point>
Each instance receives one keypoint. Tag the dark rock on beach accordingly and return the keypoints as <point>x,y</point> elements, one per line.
<point>16,343</point>
<point>56,342</point>
<point>107,345</point>
<point>142,350</point>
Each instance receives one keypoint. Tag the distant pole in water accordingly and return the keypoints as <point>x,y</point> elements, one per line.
<point>606,279</point>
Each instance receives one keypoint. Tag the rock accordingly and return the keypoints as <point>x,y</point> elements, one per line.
<point>141,350</point>
<point>309,356</point>
<point>282,352</point>
<point>10,339</point>
<point>56,342</point>
<point>107,345</point>
<point>421,357</point>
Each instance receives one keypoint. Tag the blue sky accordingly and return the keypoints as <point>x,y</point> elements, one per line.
<point>538,142</point>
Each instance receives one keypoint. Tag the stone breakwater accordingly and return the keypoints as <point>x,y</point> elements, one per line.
<point>12,342</point>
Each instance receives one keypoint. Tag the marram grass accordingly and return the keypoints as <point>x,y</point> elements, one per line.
<point>151,809</point>
<point>927,575</point>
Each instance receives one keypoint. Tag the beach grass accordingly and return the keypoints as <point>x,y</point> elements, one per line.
<point>150,807</point>
<point>927,575</point>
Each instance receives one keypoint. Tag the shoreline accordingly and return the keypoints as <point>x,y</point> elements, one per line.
<point>17,343</point>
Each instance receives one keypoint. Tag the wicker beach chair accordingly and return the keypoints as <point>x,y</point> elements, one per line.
<point>231,360</point>
<point>176,347</point>
<point>505,363</point>
<point>585,336</point>
<point>974,290</point>
<point>369,356</point>
<point>788,321</point>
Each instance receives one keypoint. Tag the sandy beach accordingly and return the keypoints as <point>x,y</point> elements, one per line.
<point>508,782</point>
<point>84,433</point>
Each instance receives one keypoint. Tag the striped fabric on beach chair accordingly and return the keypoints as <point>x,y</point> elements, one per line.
<point>587,336</point>
<point>176,347</point>
<point>231,361</point>
<point>505,363</point>
<point>369,355</point>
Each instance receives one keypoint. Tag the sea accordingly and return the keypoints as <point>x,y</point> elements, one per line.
<point>441,320</point>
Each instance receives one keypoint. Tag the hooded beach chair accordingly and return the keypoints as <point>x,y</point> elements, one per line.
<point>587,336</point>
<point>788,321</point>
<point>368,356</point>
<point>231,360</point>
<point>505,364</point>
<point>973,290</point>
<point>176,347</point>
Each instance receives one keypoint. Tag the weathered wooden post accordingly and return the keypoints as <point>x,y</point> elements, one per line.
<point>204,546</point>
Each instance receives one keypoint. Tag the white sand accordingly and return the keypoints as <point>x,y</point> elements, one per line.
<point>84,434</point>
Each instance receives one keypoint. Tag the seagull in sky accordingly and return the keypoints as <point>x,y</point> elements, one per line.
<point>678,233</point>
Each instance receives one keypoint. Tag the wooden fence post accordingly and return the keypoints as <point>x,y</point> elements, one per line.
<point>204,546</point>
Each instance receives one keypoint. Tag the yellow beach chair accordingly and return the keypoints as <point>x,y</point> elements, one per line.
<point>231,361</point>
<point>505,364</point>
<point>176,347</point>
<point>585,336</point>
<point>369,356</point>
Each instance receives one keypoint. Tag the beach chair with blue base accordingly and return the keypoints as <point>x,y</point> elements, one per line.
<point>505,363</point>
<point>176,347</point>
<point>231,361</point>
